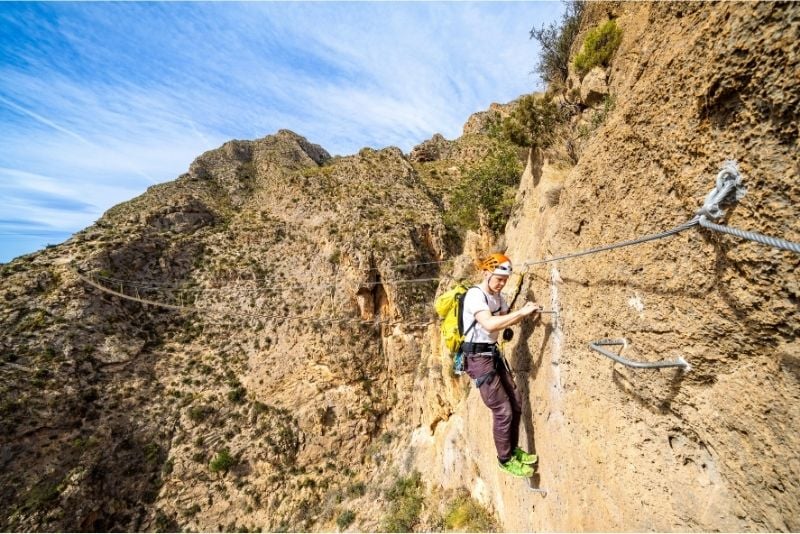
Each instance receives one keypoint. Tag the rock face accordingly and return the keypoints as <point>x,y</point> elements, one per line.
<point>479,122</point>
<point>434,149</point>
<point>626,449</point>
<point>594,87</point>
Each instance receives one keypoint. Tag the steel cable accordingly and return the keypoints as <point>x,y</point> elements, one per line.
<point>201,310</point>
<point>620,244</point>
<point>752,236</point>
<point>728,180</point>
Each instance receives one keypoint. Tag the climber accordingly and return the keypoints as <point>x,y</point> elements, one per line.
<point>487,311</point>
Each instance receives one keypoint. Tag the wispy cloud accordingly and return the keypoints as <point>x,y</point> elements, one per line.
<point>100,100</point>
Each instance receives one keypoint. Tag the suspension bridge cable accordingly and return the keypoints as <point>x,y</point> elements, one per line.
<point>728,180</point>
<point>178,289</point>
<point>206,310</point>
<point>405,265</point>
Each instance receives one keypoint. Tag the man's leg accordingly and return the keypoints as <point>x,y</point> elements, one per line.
<point>515,403</point>
<point>496,399</point>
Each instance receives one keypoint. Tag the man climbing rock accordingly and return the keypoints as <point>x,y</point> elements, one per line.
<point>485,315</point>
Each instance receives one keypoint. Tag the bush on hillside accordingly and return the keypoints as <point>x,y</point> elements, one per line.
<point>223,461</point>
<point>345,519</point>
<point>556,41</point>
<point>200,412</point>
<point>465,514</point>
<point>405,498</point>
<point>532,123</point>
<point>487,190</point>
<point>598,47</point>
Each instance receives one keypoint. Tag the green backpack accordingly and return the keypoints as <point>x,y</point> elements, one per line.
<point>449,305</point>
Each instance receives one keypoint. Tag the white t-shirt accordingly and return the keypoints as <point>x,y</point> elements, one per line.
<point>474,301</point>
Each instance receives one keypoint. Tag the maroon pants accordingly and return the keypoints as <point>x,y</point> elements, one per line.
<point>502,398</point>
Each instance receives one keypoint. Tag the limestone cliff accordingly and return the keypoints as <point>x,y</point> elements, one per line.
<point>714,448</point>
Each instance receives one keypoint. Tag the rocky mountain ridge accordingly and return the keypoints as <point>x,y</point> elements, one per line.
<point>286,252</point>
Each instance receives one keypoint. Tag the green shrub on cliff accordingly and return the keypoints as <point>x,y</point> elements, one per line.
<point>598,47</point>
<point>532,123</point>
<point>223,461</point>
<point>486,191</point>
<point>465,514</point>
<point>405,498</point>
<point>345,519</point>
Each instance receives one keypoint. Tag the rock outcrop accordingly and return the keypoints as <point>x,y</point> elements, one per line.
<point>594,87</point>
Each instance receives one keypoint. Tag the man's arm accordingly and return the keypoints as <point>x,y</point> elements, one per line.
<point>493,323</point>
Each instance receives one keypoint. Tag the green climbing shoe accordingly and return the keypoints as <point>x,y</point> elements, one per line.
<point>515,468</point>
<point>525,457</point>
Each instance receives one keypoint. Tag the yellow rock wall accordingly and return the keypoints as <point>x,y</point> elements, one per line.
<point>626,449</point>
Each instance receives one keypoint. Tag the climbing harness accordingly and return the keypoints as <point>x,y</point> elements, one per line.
<point>471,349</point>
<point>484,378</point>
<point>598,345</point>
<point>490,348</point>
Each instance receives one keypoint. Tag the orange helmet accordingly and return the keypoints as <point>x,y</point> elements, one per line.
<point>497,264</point>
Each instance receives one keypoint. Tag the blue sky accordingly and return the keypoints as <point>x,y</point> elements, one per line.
<point>98,101</point>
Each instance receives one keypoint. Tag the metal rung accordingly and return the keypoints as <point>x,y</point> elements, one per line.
<point>597,347</point>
